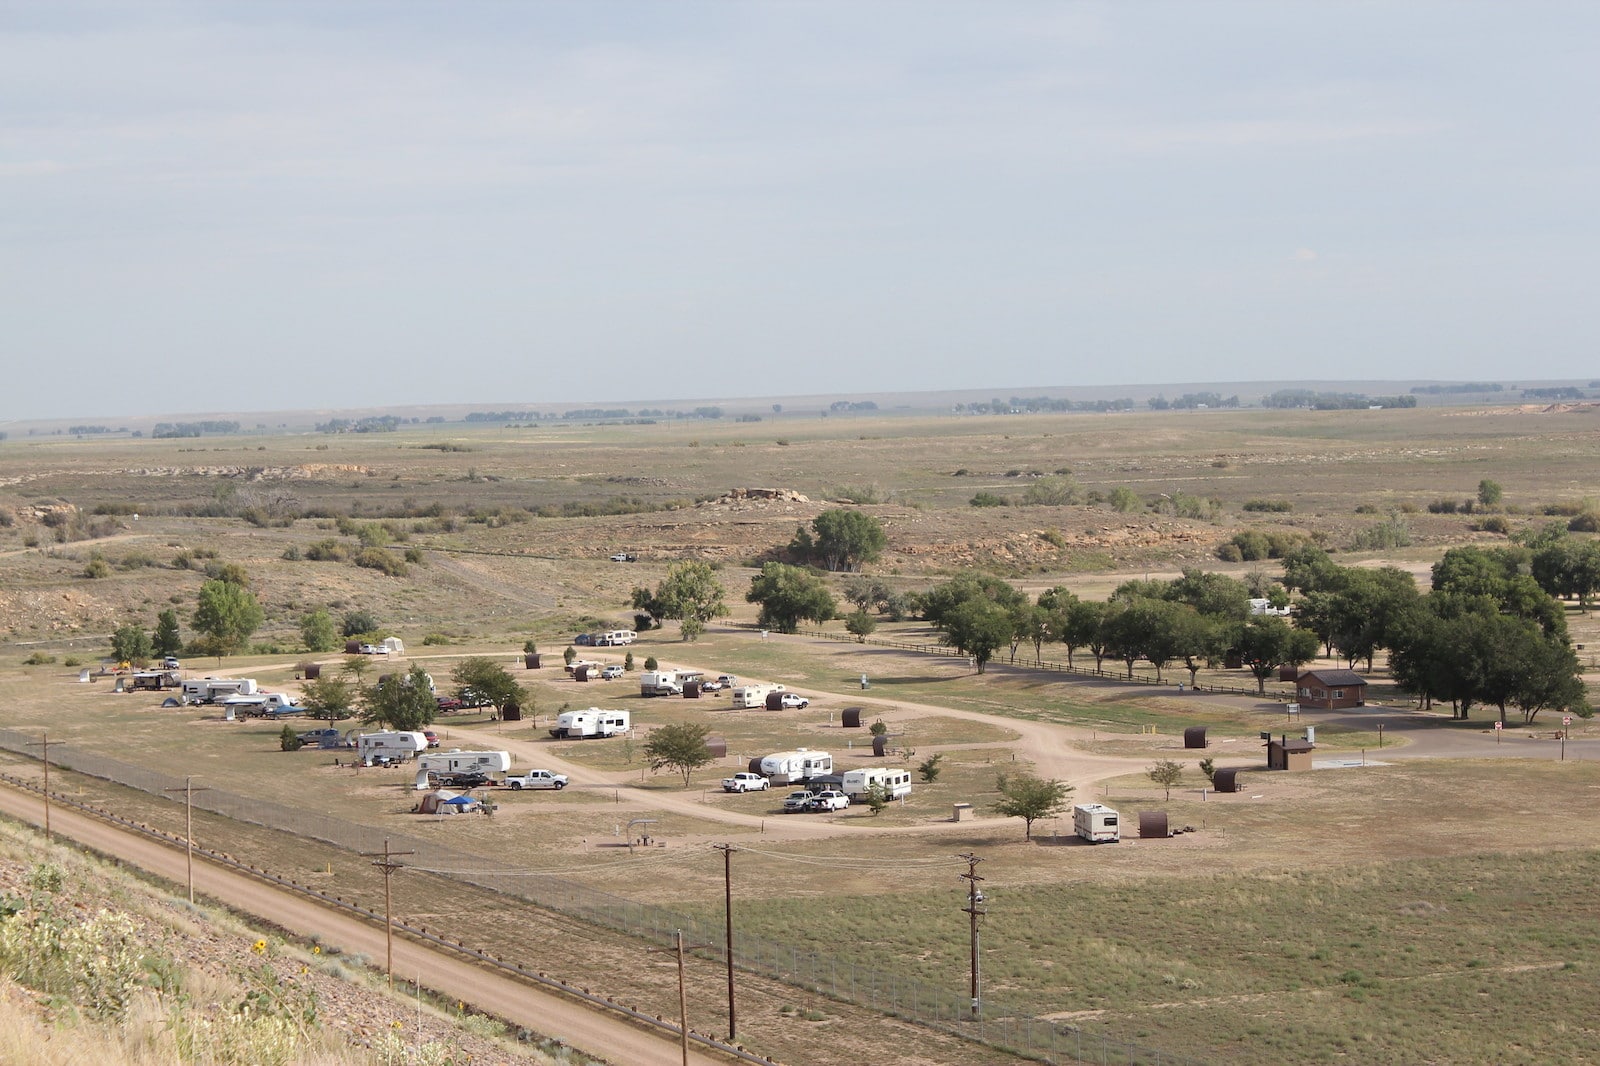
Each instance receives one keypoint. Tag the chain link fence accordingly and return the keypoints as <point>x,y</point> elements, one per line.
<point>887,992</point>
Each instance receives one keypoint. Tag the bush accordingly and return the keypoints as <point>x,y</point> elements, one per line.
<point>1053,538</point>
<point>327,551</point>
<point>292,553</point>
<point>382,560</point>
<point>1393,533</point>
<point>1443,507</point>
<point>39,658</point>
<point>288,740</point>
<point>987,499</point>
<point>1124,499</point>
<point>1495,524</point>
<point>1587,522</point>
<point>1276,506</point>
<point>97,567</point>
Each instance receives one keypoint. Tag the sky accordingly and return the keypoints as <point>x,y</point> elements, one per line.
<point>289,205</point>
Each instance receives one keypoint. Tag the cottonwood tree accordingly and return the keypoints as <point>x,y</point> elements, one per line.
<point>844,539</point>
<point>689,595</point>
<point>226,616</point>
<point>400,701</point>
<point>978,628</point>
<point>1266,643</point>
<point>318,631</point>
<point>490,681</point>
<point>329,699</point>
<point>680,747</point>
<point>1030,797</point>
<point>789,595</point>
<point>130,643</point>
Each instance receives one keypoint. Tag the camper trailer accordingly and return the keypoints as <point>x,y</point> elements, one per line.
<point>753,695</point>
<point>389,747</point>
<point>659,683</point>
<point>793,767</point>
<point>895,783</point>
<point>217,689</point>
<point>616,638</point>
<point>441,763</point>
<point>1096,823</point>
<point>155,680</point>
<point>263,705</point>
<point>592,724</point>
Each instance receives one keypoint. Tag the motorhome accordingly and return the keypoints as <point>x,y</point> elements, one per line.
<point>793,767</point>
<point>1096,823</point>
<point>457,761</point>
<point>616,638</point>
<point>659,683</point>
<point>389,746</point>
<point>592,724</point>
<point>216,689</point>
<point>895,783</point>
<point>753,695</point>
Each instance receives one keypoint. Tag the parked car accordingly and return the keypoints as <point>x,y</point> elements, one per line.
<point>317,737</point>
<point>612,672</point>
<point>372,649</point>
<point>470,698</point>
<point>829,800</point>
<point>450,703</point>
<point>797,801</point>
<point>792,700</point>
<point>727,680</point>
<point>170,662</point>
<point>584,640</point>
<point>623,557</point>
<point>433,738</point>
<point>711,686</point>
<point>537,779</point>
<point>464,779</point>
<point>745,781</point>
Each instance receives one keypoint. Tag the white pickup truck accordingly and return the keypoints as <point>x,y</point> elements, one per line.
<point>536,779</point>
<point>745,782</point>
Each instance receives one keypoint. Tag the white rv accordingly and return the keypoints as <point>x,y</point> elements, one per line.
<point>1096,823</point>
<point>389,746</point>
<point>895,783</point>
<point>592,724</point>
<point>659,683</point>
<point>263,705</point>
<point>460,762</point>
<point>616,638</point>
<point>216,689</point>
<point>791,767</point>
<point>753,695</point>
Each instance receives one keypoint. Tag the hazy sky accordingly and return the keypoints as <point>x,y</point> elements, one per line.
<point>249,206</point>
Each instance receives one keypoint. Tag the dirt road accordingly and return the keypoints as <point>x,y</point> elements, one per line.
<point>520,1003</point>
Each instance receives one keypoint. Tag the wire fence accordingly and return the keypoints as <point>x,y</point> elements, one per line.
<point>896,994</point>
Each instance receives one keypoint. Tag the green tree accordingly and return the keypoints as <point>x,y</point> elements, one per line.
<point>1266,643</point>
<point>358,623</point>
<point>167,640</point>
<point>845,539</point>
<point>130,643</point>
<point>1124,499</point>
<point>867,593</point>
<point>978,628</point>
<point>1490,493</point>
<point>318,631</point>
<point>928,769</point>
<point>489,680</point>
<point>650,663</point>
<point>400,701</point>
<point>355,667</point>
<point>1167,774</point>
<point>1030,798</point>
<point>1082,627</point>
<point>227,615</point>
<point>680,747</point>
<point>860,625</point>
<point>969,585</point>
<point>789,595</point>
<point>329,699</point>
<point>288,739</point>
<point>877,798</point>
<point>570,654</point>
<point>690,595</point>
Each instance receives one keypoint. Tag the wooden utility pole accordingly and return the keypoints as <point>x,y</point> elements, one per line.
<point>44,743</point>
<point>188,791</point>
<point>727,903</point>
<point>387,864</point>
<point>974,912</point>
<point>683,1003</point>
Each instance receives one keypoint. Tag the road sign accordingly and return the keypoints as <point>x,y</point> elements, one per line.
<point>1498,726</point>
<point>1566,719</point>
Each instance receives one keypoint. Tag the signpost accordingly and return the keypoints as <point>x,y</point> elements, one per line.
<point>1566,723</point>
<point>1499,727</point>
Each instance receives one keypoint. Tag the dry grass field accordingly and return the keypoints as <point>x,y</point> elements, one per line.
<point>1409,910</point>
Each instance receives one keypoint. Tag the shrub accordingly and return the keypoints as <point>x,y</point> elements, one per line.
<point>292,553</point>
<point>39,658</point>
<point>1587,522</point>
<point>97,567</point>
<point>1393,533</point>
<point>1495,524</point>
<point>288,740</point>
<point>327,551</point>
<point>1053,538</point>
<point>1367,508</point>
<point>382,560</point>
<point>1124,499</point>
<point>1275,506</point>
<point>987,499</point>
<point>1442,507</point>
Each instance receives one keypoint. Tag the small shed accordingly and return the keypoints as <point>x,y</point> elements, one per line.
<point>1286,754</point>
<point>1153,824</point>
<point>850,718</point>
<point>1227,780</point>
<point>1331,689</point>
<point>1194,736</point>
